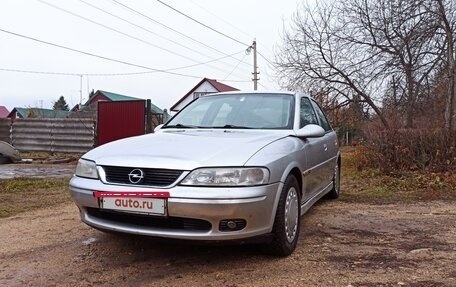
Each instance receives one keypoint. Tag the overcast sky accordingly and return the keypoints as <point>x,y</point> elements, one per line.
<point>160,39</point>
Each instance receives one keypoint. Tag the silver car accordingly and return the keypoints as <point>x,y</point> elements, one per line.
<point>229,166</point>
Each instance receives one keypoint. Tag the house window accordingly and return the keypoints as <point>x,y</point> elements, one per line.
<point>196,95</point>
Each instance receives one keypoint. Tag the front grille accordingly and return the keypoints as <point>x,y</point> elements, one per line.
<point>151,221</point>
<point>152,176</point>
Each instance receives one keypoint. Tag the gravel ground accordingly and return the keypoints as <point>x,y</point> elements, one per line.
<point>341,244</point>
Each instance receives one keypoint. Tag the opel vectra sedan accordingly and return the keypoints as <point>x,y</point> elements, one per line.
<point>229,166</point>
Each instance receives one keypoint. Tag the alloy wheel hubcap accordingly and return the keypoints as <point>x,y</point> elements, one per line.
<point>291,214</point>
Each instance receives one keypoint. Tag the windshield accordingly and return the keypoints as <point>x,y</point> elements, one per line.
<point>254,111</point>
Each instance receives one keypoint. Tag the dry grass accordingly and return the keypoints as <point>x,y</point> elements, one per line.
<point>23,194</point>
<point>371,185</point>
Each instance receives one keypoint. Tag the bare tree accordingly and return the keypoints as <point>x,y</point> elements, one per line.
<point>314,56</point>
<point>404,32</point>
<point>360,47</point>
<point>444,11</point>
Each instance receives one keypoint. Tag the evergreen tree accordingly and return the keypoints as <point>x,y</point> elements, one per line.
<point>61,105</point>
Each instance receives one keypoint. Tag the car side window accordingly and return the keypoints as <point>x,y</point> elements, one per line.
<point>321,116</point>
<point>307,113</point>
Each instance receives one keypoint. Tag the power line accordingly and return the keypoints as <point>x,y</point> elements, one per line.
<point>98,56</point>
<point>171,29</point>
<point>266,59</point>
<point>221,19</point>
<point>233,26</point>
<point>148,30</point>
<point>216,31</point>
<point>104,74</point>
<point>202,24</point>
<point>235,67</point>
<point>138,26</point>
<point>124,34</point>
<point>236,81</point>
<point>226,22</point>
<point>112,29</point>
<point>266,72</point>
<point>263,86</point>
<point>95,74</point>
<point>223,34</point>
<point>40,72</point>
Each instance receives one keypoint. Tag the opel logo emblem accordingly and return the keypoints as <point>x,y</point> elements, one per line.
<point>136,176</point>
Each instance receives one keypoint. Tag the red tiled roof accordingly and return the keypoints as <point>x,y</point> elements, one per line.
<point>217,85</point>
<point>221,87</point>
<point>3,112</point>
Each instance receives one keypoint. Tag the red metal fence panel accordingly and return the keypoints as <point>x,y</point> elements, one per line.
<point>117,120</point>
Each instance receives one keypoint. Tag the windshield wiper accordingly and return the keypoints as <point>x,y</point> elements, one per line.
<point>232,127</point>
<point>180,126</point>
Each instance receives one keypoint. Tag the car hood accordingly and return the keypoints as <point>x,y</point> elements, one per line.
<point>184,150</point>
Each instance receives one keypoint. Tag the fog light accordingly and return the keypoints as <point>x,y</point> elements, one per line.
<point>227,225</point>
<point>231,224</point>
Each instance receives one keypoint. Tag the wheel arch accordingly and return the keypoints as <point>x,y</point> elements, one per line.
<point>293,169</point>
<point>296,172</point>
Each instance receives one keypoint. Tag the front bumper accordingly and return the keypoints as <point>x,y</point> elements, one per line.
<point>256,205</point>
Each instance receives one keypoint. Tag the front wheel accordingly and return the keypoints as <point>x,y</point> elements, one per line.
<point>287,220</point>
<point>5,159</point>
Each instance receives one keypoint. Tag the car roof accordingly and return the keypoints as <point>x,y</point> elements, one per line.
<point>250,92</point>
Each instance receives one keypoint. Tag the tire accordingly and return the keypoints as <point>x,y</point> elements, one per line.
<point>285,232</point>
<point>335,191</point>
<point>5,160</point>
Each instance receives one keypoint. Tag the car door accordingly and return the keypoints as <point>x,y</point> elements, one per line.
<point>330,147</point>
<point>314,174</point>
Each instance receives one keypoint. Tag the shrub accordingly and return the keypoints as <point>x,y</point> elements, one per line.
<point>408,149</point>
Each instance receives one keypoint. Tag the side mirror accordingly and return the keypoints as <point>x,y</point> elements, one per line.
<point>157,128</point>
<point>310,131</point>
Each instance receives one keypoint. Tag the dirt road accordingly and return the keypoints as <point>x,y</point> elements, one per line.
<point>341,244</point>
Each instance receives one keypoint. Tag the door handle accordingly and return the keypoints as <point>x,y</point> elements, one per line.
<point>325,147</point>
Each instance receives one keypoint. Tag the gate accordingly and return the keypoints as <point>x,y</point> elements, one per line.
<point>117,120</point>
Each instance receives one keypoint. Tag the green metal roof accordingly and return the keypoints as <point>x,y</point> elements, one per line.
<point>117,97</point>
<point>156,109</point>
<point>23,111</point>
<point>41,113</point>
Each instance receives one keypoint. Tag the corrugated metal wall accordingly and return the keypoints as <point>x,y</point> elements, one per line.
<point>53,135</point>
<point>117,120</point>
<point>5,126</point>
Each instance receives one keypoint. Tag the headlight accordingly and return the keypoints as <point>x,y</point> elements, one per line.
<point>86,168</point>
<point>227,177</point>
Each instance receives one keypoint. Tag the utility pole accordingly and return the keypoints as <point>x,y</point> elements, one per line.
<point>80,89</point>
<point>255,66</point>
